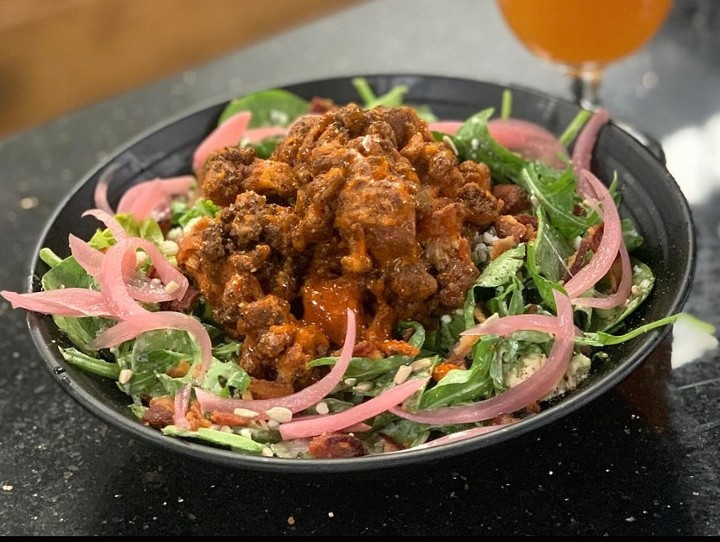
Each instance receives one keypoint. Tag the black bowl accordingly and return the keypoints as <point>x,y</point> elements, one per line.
<point>651,198</point>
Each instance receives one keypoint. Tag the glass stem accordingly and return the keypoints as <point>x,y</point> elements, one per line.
<point>585,87</point>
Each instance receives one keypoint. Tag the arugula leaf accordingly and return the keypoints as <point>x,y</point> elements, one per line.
<point>405,432</point>
<point>93,365</point>
<point>464,385</point>
<point>502,269</point>
<point>546,259</point>
<point>393,98</point>
<point>643,281</point>
<point>556,191</point>
<point>474,142</point>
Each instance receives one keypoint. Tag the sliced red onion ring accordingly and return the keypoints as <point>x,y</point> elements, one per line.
<point>101,189</point>
<point>449,127</point>
<point>149,321</point>
<point>584,145</point>
<point>151,199</point>
<point>508,325</point>
<point>112,276</point>
<point>181,403</point>
<point>295,402</point>
<point>529,140</point>
<point>140,287</point>
<point>62,302</point>
<point>228,133</point>
<point>89,258</point>
<point>363,411</point>
<point>256,135</point>
<point>110,222</point>
<point>609,245</point>
<point>532,389</point>
<point>621,295</point>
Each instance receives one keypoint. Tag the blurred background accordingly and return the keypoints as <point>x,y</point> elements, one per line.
<point>57,56</point>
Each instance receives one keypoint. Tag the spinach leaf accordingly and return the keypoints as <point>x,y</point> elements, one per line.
<point>275,107</point>
<point>81,331</point>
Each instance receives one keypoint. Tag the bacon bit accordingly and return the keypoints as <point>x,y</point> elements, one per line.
<point>229,419</point>
<point>364,349</point>
<point>399,348</point>
<point>390,444</point>
<point>160,412</point>
<point>180,370</point>
<point>442,369</point>
<point>588,243</point>
<point>195,417</point>
<point>334,445</point>
<point>501,246</point>
<point>503,419</point>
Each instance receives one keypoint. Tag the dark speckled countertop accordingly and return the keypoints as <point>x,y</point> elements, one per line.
<point>642,459</point>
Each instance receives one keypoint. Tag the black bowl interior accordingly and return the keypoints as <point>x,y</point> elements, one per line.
<point>651,198</point>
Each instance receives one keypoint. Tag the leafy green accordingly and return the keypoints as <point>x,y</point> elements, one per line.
<point>81,331</point>
<point>275,107</point>
<point>393,98</point>
<point>501,270</point>
<point>147,229</point>
<point>96,366</point>
<point>213,436</point>
<point>182,215</point>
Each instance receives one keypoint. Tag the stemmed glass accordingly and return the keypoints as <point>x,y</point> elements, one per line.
<point>583,36</point>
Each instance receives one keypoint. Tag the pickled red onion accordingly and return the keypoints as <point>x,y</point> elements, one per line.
<point>101,189</point>
<point>529,140</point>
<point>298,401</point>
<point>532,389</point>
<point>363,411</point>
<point>110,222</point>
<point>180,406</point>
<point>112,277</point>
<point>609,245</point>
<point>61,302</point>
<point>149,321</point>
<point>622,293</point>
<point>151,199</point>
<point>449,127</point>
<point>228,133</point>
<point>583,148</point>
<point>256,135</point>
<point>507,325</point>
<point>140,287</point>
<point>89,258</point>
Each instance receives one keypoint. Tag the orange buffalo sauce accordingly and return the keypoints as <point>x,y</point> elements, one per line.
<point>325,303</point>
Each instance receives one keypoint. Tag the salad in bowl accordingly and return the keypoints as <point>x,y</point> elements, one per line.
<point>339,279</point>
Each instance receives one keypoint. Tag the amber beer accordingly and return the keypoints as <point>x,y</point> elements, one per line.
<point>584,34</point>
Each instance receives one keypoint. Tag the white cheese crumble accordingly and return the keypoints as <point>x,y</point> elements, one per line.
<point>577,371</point>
